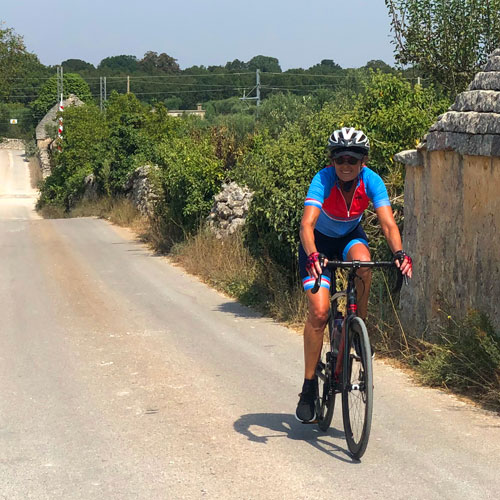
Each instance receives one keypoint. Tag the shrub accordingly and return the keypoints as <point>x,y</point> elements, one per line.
<point>191,175</point>
<point>467,359</point>
<point>84,152</point>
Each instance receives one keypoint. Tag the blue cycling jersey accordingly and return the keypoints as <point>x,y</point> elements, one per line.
<point>336,219</point>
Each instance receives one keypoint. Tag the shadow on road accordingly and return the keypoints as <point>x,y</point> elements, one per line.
<point>238,309</point>
<point>279,425</point>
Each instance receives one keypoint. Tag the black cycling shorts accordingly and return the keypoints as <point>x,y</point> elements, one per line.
<point>334,249</point>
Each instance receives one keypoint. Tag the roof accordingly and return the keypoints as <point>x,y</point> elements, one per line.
<point>472,124</point>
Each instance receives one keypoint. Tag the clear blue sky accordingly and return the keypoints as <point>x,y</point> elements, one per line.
<point>205,32</point>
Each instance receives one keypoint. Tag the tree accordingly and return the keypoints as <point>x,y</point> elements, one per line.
<point>264,63</point>
<point>15,62</point>
<point>448,40</point>
<point>378,64</point>
<point>325,67</point>
<point>76,65</point>
<point>236,65</point>
<point>152,62</point>
<point>73,84</point>
<point>122,64</point>
<point>330,63</point>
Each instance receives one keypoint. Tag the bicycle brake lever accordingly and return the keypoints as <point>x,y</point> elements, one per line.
<point>317,284</point>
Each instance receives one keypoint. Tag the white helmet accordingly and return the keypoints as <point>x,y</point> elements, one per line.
<point>348,141</point>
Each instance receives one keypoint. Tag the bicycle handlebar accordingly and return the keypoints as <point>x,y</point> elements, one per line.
<point>331,264</point>
<point>356,264</point>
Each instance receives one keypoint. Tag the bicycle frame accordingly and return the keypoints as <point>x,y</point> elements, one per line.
<point>347,367</point>
<point>340,377</point>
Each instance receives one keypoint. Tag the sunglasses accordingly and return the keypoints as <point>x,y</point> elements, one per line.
<point>346,159</point>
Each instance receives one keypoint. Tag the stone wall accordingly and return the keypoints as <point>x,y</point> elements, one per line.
<point>452,222</point>
<point>452,210</point>
<point>230,209</point>
<point>6,143</point>
<point>141,191</point>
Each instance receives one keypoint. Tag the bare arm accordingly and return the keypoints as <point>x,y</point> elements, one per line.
<point>307,225</point>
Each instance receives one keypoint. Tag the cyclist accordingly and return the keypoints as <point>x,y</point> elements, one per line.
<point>331,227</point>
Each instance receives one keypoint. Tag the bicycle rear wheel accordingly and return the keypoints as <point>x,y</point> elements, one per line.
<point>357,395</point>
<point>326,390</point>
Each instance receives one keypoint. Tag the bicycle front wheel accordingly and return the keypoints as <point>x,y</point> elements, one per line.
<point>357,395</point>
<point>326,390</point>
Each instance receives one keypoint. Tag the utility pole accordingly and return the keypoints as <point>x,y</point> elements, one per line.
<point>60,94</point>
<point>256,88</point>
<point>257,81</point>
<point>60,83</point>
<point>128,84</point>
<point>102,88</point>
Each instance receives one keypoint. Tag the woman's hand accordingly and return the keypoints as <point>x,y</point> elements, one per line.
<point>314,263</point>
<point>404,262</point>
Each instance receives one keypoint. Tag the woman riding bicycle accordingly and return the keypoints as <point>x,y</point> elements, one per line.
<point>331,227</point>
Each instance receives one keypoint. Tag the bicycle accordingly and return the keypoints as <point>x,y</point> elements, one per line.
<point>347,371</point>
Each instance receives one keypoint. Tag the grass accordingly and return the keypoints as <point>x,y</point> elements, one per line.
<point>466,359</point>
<point>36,176</point>
<point>120,211</point>
<point>227,265</point>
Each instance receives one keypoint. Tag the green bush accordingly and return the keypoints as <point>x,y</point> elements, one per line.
<point>290,148</point>
<point>278,171</point>
<point>467,359</point>
<point>84,151</point>
<point>191,175</point>
<point>395,115</point>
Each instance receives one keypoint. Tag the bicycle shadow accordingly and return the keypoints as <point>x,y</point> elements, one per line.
<point>285,425</point>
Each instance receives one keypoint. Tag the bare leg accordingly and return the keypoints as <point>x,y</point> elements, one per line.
<point>363,283</point>
<point>314,328</point>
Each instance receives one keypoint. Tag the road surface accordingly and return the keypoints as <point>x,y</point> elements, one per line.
<point>122,377</point>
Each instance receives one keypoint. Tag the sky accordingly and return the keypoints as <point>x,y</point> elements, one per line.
<point>211,32</point>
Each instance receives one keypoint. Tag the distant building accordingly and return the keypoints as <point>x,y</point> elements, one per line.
<point>193,112</point>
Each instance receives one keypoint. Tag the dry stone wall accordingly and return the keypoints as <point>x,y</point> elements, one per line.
<point>6,143</point>
<point>230,209</point>
<point>141,191</point>
<point>452,210</point>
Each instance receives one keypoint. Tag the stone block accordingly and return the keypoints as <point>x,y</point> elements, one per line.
<point>482,101</point>
<point>469,122</point>
<point>486,81</point>
<point>409,158</point>
<point>493,64</point>
<point>230,209</point>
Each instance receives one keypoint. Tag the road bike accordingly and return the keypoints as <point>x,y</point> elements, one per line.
<point>345,365</point>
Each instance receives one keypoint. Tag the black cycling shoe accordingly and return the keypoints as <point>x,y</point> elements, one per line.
<point>306,409</point>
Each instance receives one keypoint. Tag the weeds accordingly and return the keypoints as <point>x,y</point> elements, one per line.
<point>35,170</point>
<point>120,211</point>
<point>227,265</point>
<point>467,359</point>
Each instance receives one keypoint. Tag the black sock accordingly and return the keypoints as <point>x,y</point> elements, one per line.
<point>309,385</point>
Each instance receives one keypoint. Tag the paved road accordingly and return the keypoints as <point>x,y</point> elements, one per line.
<point>122,377</point>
